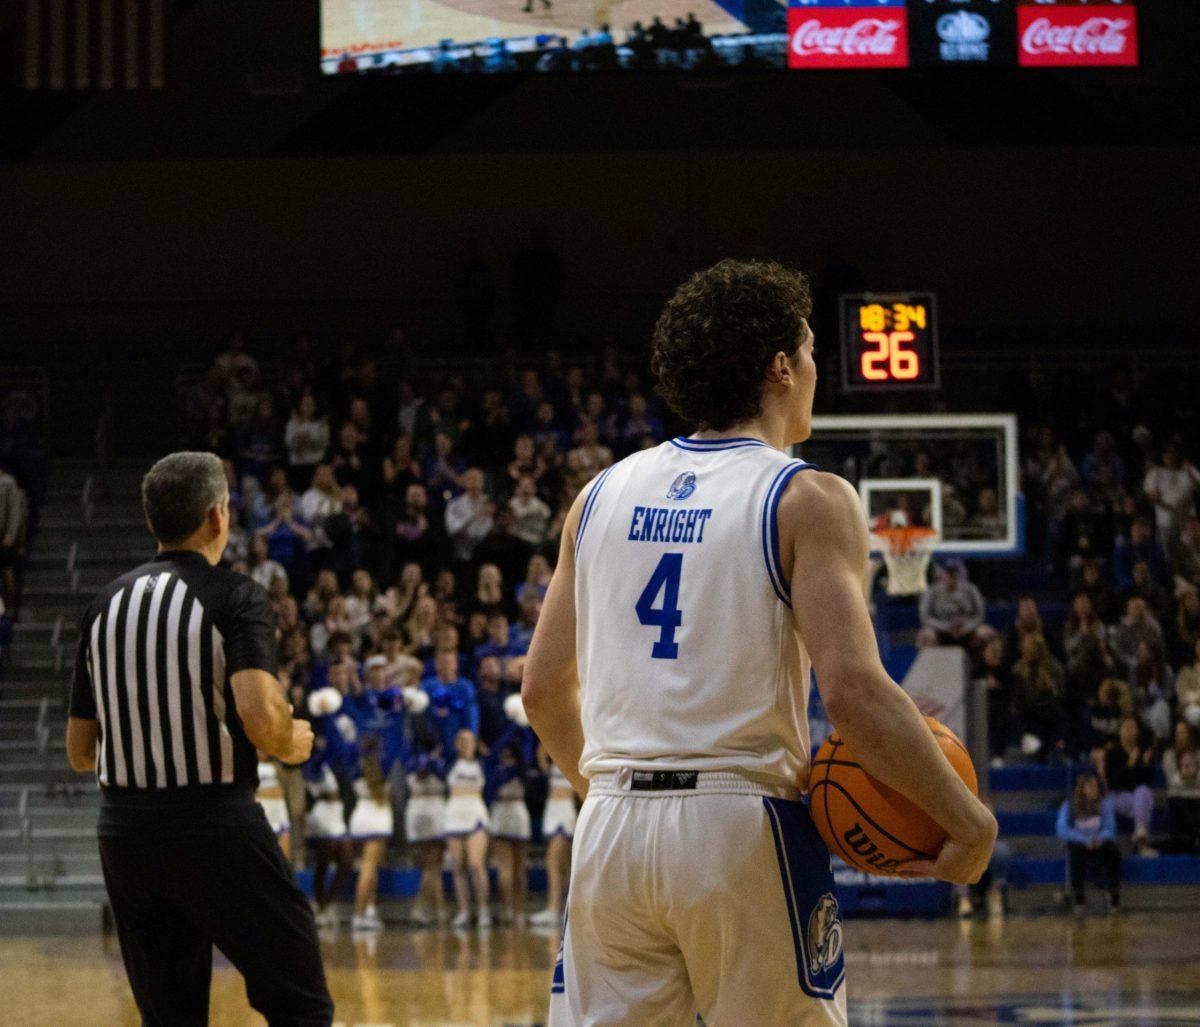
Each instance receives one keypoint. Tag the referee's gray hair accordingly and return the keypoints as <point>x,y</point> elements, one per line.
<point>178,492</point>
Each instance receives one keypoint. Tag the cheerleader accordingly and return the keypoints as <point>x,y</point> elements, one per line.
<point>558,828</point>
<point>467,832</point>
<point>370,831</point>
<point>270,798</point>
<point>510,834</point>
<point>325,826</point>
<point>425,828</point>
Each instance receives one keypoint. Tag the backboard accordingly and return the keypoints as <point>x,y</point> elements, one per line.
<point>955,473</point>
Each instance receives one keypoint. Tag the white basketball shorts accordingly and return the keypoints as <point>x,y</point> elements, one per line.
<point>698,894</point>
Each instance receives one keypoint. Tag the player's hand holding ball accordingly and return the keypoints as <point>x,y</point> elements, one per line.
<point>875,829</point>
<point>960,862</point>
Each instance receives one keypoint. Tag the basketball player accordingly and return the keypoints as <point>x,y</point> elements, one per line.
<point>669,676</point>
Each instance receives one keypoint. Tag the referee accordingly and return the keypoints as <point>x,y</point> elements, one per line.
<point>174,690</point>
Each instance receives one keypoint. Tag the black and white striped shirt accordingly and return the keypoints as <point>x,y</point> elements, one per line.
<point>156,651</point>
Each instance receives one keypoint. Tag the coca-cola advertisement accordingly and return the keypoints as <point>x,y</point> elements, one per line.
<point>848,36</point>
<point>1056,35</point>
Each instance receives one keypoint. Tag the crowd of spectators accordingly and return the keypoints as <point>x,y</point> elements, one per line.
<point>405,523</point>
<point>1108,677</point>
<point>405,530</point>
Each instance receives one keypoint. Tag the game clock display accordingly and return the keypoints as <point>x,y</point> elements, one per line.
<point>889,342</point>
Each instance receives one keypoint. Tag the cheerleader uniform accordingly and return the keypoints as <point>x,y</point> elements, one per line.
<point>327,818</point>
<point>270,798</point>
<point>559,817</point>
<point>509,814</point>
<point>372,818</point>
<point>425,813</point>
<point>465,810</point>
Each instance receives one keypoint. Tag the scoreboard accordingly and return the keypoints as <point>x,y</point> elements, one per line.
<point>889,341</point>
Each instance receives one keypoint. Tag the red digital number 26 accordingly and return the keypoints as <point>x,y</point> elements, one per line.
<point>902,364</point>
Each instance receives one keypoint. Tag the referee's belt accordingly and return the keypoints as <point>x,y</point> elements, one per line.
<point>639,780</point>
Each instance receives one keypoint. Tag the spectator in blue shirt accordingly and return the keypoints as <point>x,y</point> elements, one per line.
<point>1103,466</point>
<point>287,539</point>
<point>520,635</point>
<point>453,705</point>
<point>379,710</point>
<point>493,721</point>
<point>1088,824</point>
<point>546,429</point>
<point>537,578</point>
<point>1139,547</point>
<point>338,649</point>
<point>640,423</point>
<point>499,642</point>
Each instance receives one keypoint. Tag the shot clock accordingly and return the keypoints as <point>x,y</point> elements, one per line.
<point>889,342</point>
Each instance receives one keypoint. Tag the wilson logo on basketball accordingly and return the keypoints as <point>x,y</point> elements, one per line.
<point>867,851</point>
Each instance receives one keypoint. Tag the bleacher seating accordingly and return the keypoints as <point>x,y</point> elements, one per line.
<point>1027,798</point>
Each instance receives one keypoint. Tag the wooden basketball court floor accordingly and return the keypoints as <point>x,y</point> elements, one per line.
<point>1138,969</point>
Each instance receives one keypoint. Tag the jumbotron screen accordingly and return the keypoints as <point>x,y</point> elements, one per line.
<point>397,36</point>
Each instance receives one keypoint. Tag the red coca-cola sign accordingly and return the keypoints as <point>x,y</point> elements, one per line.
<point>847,37</point>
<point>1052,36</point>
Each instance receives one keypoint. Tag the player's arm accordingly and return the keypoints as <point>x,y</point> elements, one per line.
<point>822,524</point>
<point>550,687</point>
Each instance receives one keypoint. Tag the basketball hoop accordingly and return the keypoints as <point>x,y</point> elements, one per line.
<point>906,552</point>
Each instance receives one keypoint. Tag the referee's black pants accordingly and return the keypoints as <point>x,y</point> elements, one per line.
<point>175,897</point>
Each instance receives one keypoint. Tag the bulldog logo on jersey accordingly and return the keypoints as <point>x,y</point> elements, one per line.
<point>683,486</point>
<point>824,935</point>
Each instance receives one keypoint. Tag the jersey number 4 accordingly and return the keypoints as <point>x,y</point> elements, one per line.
<point>668,617</point>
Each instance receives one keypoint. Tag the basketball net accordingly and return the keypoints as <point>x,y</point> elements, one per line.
<point>906,552</point>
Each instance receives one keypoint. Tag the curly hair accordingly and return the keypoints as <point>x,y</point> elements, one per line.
<point>718,334</point>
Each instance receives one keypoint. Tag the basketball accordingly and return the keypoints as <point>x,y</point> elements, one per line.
<point>865,823</point>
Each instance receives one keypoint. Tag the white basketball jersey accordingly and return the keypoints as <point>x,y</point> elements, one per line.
<point>688,656</point>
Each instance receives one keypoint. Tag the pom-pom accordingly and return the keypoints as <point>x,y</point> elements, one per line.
<point>346,728</point>
<point>324,701</point>
<point>416,699</point>
<point>514,709</point>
